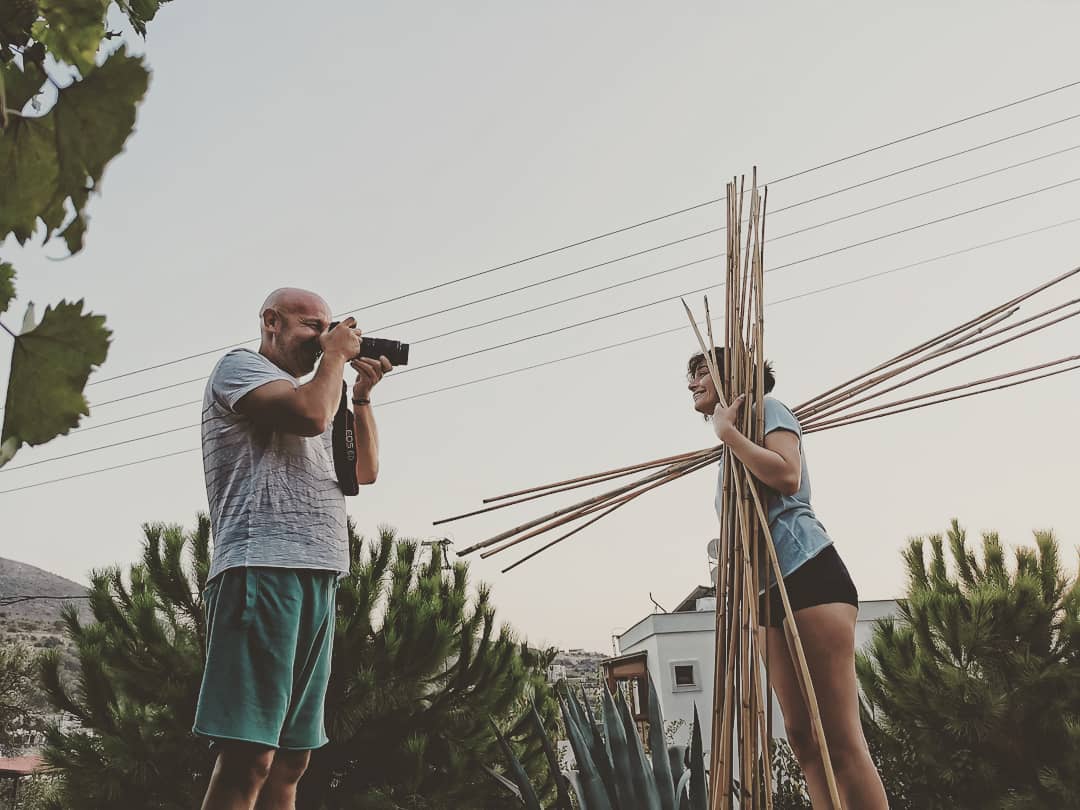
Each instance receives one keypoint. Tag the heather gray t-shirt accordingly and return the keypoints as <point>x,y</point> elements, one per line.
<point>274,496</point>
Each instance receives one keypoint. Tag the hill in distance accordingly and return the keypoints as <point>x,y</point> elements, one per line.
<point>20,579</point>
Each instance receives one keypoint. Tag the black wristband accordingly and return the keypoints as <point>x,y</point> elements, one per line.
<point>361,401</point>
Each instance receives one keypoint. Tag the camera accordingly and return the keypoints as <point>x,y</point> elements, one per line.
<point>394,350</point>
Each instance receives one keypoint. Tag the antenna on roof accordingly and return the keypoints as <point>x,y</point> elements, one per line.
<point>713,550</point>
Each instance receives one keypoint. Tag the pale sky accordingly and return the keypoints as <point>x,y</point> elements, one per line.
<point>365,151</point>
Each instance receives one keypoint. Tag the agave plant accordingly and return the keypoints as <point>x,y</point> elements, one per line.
<point>613,771</point>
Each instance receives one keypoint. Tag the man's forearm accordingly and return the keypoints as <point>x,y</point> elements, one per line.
<point>367,445</point>
<point>322,393</point>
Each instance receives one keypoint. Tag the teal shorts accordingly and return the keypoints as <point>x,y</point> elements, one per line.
<point>269,638</point>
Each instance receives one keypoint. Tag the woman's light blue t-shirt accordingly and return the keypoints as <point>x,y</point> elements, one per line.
<point>797,533</point>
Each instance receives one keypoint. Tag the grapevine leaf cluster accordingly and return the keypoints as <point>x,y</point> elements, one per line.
<point>68,102</point>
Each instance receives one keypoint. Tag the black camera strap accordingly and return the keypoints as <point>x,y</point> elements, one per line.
<point>344,441</point>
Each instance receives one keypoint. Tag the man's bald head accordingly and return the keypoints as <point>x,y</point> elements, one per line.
<point>291,320</point>
<point>294,300</point>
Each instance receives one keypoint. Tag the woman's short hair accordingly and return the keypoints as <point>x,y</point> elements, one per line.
<point>719,356</point>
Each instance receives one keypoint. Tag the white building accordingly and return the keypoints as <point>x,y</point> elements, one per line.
<point>677,650</point>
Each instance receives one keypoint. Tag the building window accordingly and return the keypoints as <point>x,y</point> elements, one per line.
<point>685,677</point>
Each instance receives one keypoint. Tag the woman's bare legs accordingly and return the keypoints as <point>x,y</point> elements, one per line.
<point>828,637</point>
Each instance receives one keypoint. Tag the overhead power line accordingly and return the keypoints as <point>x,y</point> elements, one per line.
<point>922,132</point>
<point>664,245</point>
<point>666,299</point>
<point>658,218</point>
<point>467,383</point>
<point>8,601</point>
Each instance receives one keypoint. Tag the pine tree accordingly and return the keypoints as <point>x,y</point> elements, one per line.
<point>409,702</point>
<point>419,666</point>
<point>141,662</point>
<point>972,697</point>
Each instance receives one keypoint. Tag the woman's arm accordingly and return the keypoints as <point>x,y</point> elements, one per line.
<point>777,465</point>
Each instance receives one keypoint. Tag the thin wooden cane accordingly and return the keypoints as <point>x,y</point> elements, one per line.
<point>720,759</point>
<point>720,653</point>
<point>802,667</point>
<point>721,610</point>
<point>760,375</point>
<point>726,762</point>
<point>721,735</point>
<point>720,746</point>
<point>737,358</point>
<point>733,607</point>
<point>757,660</point>
<point>759,437</point>
<point>720,665</point>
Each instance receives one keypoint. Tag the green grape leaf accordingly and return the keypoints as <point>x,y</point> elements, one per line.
<point>140,12</point>
<point>50,364</point>
<point>60,157</point>
<point>7,285</point>
<point>72,30</point>
<point>20,85</point>
<point>30,170</point>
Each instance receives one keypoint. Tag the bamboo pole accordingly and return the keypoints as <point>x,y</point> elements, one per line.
<point>802,668</point>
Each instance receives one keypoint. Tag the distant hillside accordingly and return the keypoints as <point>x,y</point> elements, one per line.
<point>20,579</point>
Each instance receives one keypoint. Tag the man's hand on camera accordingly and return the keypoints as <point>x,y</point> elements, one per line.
<point>343,341</point>
<point>368,374</point>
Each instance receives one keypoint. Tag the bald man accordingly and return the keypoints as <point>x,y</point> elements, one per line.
<point>280,544</point>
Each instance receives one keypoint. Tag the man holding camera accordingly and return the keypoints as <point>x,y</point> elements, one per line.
<point>280,543</point>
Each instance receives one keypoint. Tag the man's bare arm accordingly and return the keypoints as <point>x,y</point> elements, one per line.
<point>305,411</point>
<point>309,409</point>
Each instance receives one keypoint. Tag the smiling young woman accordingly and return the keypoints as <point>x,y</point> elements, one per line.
<point>823,598</point>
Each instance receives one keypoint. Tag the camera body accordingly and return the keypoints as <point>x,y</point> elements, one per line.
<point>394,350</point>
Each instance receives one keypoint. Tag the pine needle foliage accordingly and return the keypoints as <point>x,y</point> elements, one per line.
<point>972,696</point>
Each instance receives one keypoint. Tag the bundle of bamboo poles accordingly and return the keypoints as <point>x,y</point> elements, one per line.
<point>742,722</point>
<point>741,712</point>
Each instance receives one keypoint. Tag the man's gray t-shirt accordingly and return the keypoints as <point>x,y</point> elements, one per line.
<point>274,496</point>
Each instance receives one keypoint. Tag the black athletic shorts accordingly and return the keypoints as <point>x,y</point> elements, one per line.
<point>819,581</point>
